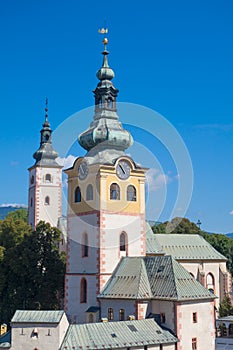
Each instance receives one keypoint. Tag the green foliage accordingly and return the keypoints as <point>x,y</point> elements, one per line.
<point>21,214</point>
<point>32,270</point>
<point>177,225</point>
<point>225,308</point>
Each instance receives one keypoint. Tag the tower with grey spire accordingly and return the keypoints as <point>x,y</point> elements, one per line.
<point>45,181</point>
<point>106,204</point>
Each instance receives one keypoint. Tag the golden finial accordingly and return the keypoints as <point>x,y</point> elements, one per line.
<point>105,41</point>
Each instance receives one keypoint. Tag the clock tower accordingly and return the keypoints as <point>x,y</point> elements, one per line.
<point>45,181</point>
<point>106,204</point>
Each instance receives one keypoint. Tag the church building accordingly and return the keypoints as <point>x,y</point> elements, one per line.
<point>124,289</point>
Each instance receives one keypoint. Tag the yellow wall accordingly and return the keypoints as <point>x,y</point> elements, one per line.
<point>101,177</point>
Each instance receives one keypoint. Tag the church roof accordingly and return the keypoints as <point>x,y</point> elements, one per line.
<point>129,281</point>
<point>157,277</point>
<point>182,247</point>
<point>112,335</point>
<point>37,316</point>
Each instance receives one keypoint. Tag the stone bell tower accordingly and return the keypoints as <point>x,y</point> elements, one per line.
<point>106,204</point>
<point>45,181</point>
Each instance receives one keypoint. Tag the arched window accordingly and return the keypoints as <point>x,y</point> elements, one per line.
<point>89,193</point>
<point>131,193</point>
<point>114,191</point>
<point>85,245</point>
<point>47,200</point>
<point>83,291</point>
<point>32,179</point>
<point>48,178</point>
<point>123,241</point>
<point>110,314</point>
<point>121,315</point>
<point>77,195</point>
<point>210,282</point>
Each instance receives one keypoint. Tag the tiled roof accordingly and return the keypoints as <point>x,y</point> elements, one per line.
<point>171,281</point>
<point>37,316</point>
<point>182,247</point>
<point>129,281</point>
<point>116,335</point>
<point>157,277</point>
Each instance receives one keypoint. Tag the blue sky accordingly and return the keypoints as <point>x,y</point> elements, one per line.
<point>174,57</point>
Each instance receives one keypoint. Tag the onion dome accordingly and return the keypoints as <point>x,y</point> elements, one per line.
<point>105,139</point>
<point>46,155</point>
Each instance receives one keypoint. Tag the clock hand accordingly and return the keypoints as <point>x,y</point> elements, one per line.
<point>123,170</point>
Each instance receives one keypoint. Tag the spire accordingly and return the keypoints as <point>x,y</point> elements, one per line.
<point>105,140</point>
<point>105,72</point>
<point>46,122</point>
<point>46,155</point>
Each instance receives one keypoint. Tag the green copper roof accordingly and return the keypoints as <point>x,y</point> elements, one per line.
<point>105,139</point>
<point>116,335</point>
<point>37,316</point>
<point>182,247</point>
<point>45,155</point>
<point>130,281</point>
<point>157,277</point>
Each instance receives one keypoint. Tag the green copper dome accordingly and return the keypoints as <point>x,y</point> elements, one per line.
<point>45,155</point>
<point>105,139</point>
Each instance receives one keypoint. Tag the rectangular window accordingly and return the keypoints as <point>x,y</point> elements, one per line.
<point>110,314</point>
<point>194,317</point>
<point>194,343</point>
<point>162,317</point>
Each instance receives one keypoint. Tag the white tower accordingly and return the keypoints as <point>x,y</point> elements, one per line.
<point>106,211</point>
<point>45,181</point>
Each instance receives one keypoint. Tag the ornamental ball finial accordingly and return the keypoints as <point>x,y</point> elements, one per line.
<point>105,41</point>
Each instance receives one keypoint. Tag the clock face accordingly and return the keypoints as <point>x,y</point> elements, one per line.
<point>83,170</point>
<point>123,170</point>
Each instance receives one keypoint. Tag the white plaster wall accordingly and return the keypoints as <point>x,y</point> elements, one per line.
<point>62,329</point>
<point>44,341</point>
<point>203,330</point>
<point>39,190</point>
<point>114,226</point>
<point>127,305</point>
<point>74,309</point>
<point>166,307</point>
<point>77,225</point>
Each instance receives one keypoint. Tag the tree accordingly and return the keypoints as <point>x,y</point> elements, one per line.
<point>21,214</point>
<point>32,270</point>
<point>225,308</point>
<point>177,225</point>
